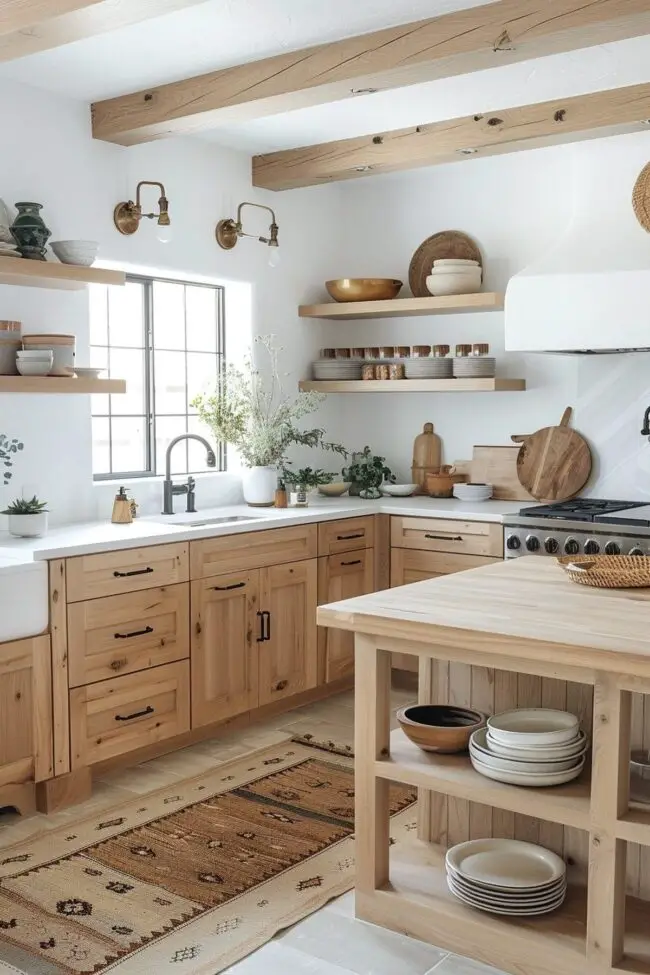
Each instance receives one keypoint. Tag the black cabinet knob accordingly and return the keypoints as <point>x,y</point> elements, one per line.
<point>513,543</point>
<point>571,546</point>
<point>532,543</point>
<point>552,546</point>
<point>592,547</point>
<point>612,548</point>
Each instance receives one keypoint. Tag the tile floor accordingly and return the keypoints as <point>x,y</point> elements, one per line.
<point>307,948</point>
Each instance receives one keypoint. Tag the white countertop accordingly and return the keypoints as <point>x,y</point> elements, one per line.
<point>103,536</point>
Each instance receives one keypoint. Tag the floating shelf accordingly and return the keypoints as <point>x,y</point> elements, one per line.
<point>404,307</point>
<point>50,274</point>
<point>59,384</point>
<point>413,385</point>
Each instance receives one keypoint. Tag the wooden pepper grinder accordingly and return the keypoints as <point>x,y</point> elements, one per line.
<point>122,514</point>
<point>427,451</point>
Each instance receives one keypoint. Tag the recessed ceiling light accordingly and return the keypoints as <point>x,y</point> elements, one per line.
<point>467,152</point>
<point>363,169</point>
<point>363,91</point>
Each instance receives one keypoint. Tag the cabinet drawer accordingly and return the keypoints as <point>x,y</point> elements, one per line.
<point>409,566</point>
<point>252,550</point>
<point>129,570</point>
<point>120,715</point>
<point>445,535</point>
<point>346,535</point>
<point>122,634</point>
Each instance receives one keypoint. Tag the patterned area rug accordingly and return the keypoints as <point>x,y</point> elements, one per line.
<point>188,882</point>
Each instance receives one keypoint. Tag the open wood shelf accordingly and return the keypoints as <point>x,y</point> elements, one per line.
<point>59,384</point>
<point>404,307</point>
<point>50,274</point>
<point>453,775</point>
<point>413,385</point>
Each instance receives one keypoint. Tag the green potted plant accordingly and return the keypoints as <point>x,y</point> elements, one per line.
<point>27,517</point>
<point>303,480</point>
<point>8,448</point>
<point>367,472</point>
<point>256,417</point>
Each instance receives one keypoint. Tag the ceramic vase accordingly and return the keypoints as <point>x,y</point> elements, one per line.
<point>258,484</point>
<point>28,526</point>
<point>29,231</point>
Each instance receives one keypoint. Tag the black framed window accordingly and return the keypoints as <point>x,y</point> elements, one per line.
<point>167,340</point>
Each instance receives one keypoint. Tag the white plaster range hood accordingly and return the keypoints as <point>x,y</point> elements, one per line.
<point>591,292</point>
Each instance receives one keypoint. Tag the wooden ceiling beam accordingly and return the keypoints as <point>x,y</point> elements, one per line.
<point>440,47</point>
<point>574,119</point>
<point>30,26</point>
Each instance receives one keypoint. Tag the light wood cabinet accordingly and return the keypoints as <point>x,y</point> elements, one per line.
<point>288,651</point>
<point>26,751</point>
<point>409,565</point>
<point>125,713</point>
<point>226,635</point>
<point>119,635</point>
<point>253,550</point>
<point>341,577</point>
<point>129,570</point>
<point>444,535</point>
<point>347,535</point>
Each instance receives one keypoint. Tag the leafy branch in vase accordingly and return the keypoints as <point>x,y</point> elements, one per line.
<point>8,449</point>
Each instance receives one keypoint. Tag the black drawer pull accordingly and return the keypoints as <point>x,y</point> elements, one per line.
<point>345,538</point>
<point>127,636</point>
<point>446,538</point>
<point>267,619</point>
<point>260,615</point>
<point>136,714</point>
<point>133,572</point>
<point>354,562</point>
<point>237,585</point>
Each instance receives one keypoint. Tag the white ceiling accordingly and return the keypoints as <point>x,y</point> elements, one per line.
<point>219,33</point>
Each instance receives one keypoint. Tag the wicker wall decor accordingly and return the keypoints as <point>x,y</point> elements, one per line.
<point>641,198</point>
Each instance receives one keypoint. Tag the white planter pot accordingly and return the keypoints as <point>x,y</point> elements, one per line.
<point>28,526</point>
<point>259,485</point>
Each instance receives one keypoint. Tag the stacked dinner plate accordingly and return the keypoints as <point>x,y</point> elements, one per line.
<point>530,746</point>
<point>336,369</point>
<point>428,367</point>
<point>506,877</point>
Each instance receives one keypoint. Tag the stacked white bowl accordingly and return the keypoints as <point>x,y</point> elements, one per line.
<point>451,276</point>
<point>506,877</point>
<point>472,492</point>
<point>36,362</point>
<point>530,746</point>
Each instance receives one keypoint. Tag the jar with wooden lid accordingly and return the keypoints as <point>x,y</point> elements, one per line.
<point>427,451</point>
<point>480,348</point>
<point>463,350</point>
<point>440,351</point>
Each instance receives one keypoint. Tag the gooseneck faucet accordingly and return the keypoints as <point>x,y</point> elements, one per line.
<point>169,488</point>
<point>645,432</point>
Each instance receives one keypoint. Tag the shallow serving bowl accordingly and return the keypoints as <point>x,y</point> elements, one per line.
<point>472,492</point>
<point>79,252</point>
<point>550,753</point>
<point>533,726</point>
<point>363,289</point>
<point>399,490</point>
<point>87,372</point>
<point>34,367</point>
<point>334,490</point>
<point>439,727</point>
<point>453,283</point>
<point>479,749</point>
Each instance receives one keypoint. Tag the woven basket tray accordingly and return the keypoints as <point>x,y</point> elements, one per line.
<point>608,571</point>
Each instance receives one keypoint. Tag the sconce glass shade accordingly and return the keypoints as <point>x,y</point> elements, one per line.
<point>164,232</point>
<point>274,256</point>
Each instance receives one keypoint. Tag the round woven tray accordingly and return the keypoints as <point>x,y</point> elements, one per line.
<point>608,571</point>
<point>641,198</point>
<point>448,243</point>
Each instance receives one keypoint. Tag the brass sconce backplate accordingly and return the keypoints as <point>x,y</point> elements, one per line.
<point>226,234</point>
<point>125,218</point>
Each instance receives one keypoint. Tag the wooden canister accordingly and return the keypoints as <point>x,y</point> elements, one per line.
<point>427,450</point>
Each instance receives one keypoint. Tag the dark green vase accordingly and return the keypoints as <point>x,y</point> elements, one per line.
<point>29,231</point>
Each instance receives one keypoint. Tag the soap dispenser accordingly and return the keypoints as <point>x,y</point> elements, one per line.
<point>122,514</point>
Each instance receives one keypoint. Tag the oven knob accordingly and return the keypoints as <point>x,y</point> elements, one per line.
<point>613,548</point>
<point>571,546</point>
<point>512,542</point>
<point>636,551</point>
<point>592,547</point>
<point>552,546</point>
<point>532,543</point>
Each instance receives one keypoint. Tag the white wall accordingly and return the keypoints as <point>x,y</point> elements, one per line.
<point>55,161</point>
<point>515,207</point>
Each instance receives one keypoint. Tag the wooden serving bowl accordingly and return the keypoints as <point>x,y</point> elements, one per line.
<point>363,289</point>
<point>440,728</point>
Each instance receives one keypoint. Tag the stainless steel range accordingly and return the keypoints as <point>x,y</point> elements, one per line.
<point>583,525</point>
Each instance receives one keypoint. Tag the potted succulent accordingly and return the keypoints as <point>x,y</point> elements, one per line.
<point>27,517</point>
<point>367,472</point>
<point>7,450</point>
<point>304,480</point>
<point>260,421</point>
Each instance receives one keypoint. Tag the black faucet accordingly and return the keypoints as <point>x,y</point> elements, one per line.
<point>645,432</point>
<point>169,488</point>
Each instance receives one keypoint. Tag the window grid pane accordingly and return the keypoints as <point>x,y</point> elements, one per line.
<point>131,432</point>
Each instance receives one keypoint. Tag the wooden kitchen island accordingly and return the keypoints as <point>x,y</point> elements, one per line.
<point>517,621</point>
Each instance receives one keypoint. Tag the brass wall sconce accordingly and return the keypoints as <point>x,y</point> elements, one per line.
<point>229,231</point>
<point>127,215</point>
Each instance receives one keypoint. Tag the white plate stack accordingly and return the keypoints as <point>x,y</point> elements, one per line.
<point>530,746</point>
<point>506,877</point>
<point>325,369</point>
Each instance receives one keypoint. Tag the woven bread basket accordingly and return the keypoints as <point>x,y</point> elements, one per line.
<point>608,571</point>
<point>641,198</point>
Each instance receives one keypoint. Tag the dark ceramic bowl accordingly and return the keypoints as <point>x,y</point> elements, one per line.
<point>440,728</point>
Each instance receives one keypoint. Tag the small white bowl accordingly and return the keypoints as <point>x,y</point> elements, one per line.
<point>34,367</point>
<point>79,252</point>
<point>25,354</point>
<point>473,492</point>
<point>454,262</point>
<point>88,372</point>
<point>453,283</point>
<point>398,490</point>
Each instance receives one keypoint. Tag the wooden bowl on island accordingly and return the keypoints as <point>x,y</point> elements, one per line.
<point>363,289</point>
<point>441,728</point>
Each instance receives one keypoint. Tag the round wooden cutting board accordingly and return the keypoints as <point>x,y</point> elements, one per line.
<point>554,463</point>
<point>448,243</point>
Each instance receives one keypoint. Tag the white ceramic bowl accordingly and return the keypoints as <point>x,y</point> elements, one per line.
<point>26,354</point>
<point>533,726</point>
<point>454,262</point>
<point>453,283</point>
<point>335,489</point>
<point>34,367</point>
<point>79,252</point>
<point>473,492</point>
<point>87,372</point>
<point>398,490</point>
<point>550,753</point>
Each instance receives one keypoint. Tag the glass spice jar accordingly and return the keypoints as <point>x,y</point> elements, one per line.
<point>367,371</point>
<point>396,370</point>
<point>440,351</point>
<point>382,371</point>
<point>463,350</point>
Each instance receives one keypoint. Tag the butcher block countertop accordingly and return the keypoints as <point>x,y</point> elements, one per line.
<point>521,607</point>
